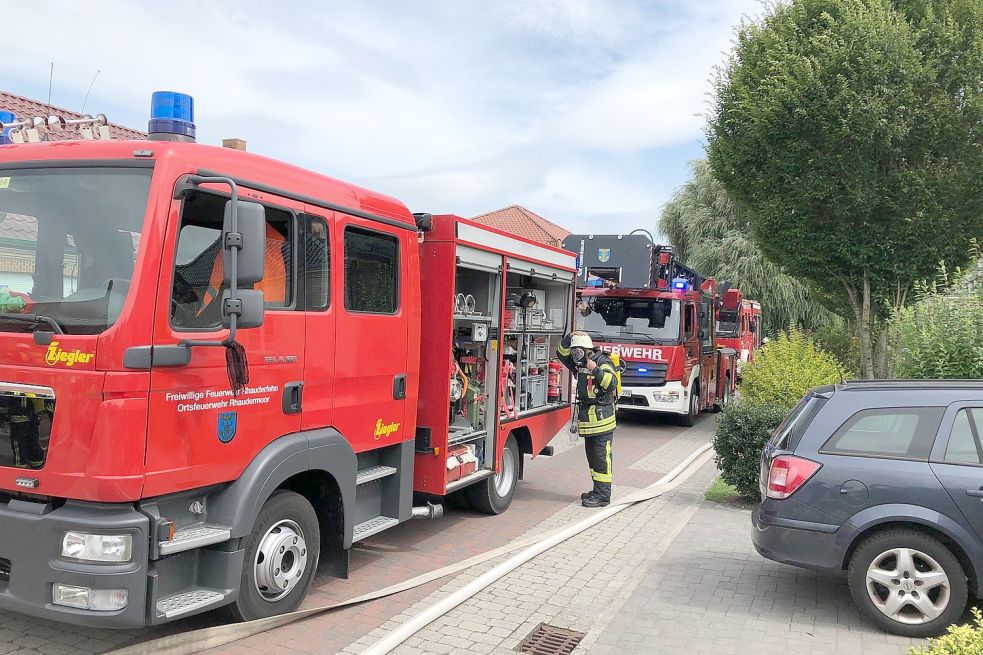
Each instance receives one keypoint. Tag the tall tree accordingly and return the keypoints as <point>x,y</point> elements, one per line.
<point>711,235</point>
<point>850,132</point>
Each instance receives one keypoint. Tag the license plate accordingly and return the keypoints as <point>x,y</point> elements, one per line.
<point>626,393</point>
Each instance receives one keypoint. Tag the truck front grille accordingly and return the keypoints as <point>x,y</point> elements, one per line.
<point>644,374</point>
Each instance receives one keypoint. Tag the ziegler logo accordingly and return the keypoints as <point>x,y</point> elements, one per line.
<point>631,352</point>
<point>56,355</point>
<point>385,429</point>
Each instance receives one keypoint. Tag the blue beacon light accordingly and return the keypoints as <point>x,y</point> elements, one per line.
<point>172,117</point>
<point>6,117</point>
<point>680,283</point>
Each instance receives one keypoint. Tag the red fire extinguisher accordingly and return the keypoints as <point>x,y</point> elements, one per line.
<point>553,383</point>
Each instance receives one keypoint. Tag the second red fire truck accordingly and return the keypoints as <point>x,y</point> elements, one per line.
<point>739,326</point>
<point>637,300</point>
<point>217,370</point>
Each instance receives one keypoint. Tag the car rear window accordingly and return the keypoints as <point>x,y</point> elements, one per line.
<point>899,432</point>
<point>789,432</point>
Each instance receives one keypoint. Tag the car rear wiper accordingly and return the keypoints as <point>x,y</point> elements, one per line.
<point>34,319</point>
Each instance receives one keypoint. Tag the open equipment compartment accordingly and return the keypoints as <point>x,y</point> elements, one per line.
<point>534,379</point>
<point>474,390</point>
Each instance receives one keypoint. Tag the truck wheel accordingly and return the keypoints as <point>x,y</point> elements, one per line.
<point>281,557</point>
<point>907,583</point>
<point>688,419</point>
<point>494,495</point>
<point>720,405</point>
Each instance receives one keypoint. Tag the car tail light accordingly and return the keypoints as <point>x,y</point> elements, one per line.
<point>788,473</point>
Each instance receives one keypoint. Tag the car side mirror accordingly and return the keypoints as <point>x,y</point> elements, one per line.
<point>246,254</point>
<point>250,309</point>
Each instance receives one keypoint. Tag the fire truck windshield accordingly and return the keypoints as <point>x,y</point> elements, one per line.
<point>649,320</point>
<point>68,243</point>
<point>727,324</point>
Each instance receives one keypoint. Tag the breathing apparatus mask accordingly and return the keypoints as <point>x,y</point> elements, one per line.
<point>579,356</point>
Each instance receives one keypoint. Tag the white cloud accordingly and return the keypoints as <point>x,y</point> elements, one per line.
<point>566,105</point>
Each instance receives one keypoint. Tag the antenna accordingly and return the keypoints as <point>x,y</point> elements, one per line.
<point>85,101</point>
<point>51,79</point>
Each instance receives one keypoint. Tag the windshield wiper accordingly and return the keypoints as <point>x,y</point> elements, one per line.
<point>33,319</point>
<point>638,337</point>
<point>599,335</point>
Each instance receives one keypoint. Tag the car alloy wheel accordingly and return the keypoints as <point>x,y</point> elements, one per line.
<point>908,586</point>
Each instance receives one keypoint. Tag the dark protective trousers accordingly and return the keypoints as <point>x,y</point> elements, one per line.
<point>599,459</point>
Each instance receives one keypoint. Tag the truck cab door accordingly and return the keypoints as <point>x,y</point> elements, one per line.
<point>372,290</point>
<point>321,309</point>
<point>200,432</point>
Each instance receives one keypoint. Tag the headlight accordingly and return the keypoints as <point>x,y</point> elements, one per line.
<point>97,547</point>
<point>83,598</point>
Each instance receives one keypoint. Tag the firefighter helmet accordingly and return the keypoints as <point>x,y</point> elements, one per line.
<point>581,340</point>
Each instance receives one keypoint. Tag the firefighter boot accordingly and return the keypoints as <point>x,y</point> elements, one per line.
<point>595,500</point>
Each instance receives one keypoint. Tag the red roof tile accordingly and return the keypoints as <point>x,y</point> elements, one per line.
<point>519,220</point>
<point>27,108</point>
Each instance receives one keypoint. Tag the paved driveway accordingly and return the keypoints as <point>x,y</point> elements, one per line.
<point>712,593</point>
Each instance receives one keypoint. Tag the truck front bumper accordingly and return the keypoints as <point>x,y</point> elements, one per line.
<point>670,398</point>
<point>31,565</point>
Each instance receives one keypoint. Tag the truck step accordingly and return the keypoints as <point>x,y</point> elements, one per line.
<point>187,602</point>
<point>195,537</point>
<point>374,473</point>
<point>373,526</point>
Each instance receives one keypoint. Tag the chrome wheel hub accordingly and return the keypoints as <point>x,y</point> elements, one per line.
<point>280,561</point>
<point>505,478</point>
<point>908,586</point>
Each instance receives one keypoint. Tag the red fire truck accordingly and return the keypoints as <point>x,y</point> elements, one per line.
<point>660,317</point>
<point>739,326</point>
<point>217,370</point>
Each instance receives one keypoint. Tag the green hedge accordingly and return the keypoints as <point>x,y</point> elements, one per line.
<point>741,435</point>
<point>786,368</point>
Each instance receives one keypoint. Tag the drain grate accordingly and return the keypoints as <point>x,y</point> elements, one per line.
<point>550,640</point>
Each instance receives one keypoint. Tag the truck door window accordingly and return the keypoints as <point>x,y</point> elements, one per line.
<point>199,272</point>
<point>317,264</point>
<point>690,325</point>
<point>371,271</point>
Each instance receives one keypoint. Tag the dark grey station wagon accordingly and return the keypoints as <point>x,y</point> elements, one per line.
<point>882,480</point>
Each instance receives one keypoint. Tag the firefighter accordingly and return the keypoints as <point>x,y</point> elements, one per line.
<point>597,387</point>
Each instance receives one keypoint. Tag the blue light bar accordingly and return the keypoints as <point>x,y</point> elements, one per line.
<point>643,370</point>
<point>172,113</point>
<point>6,117</point>
<point>680,283</point>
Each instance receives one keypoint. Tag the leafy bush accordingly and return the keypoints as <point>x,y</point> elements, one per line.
<point>741,435</point>
<point>838,339</point>
<point>786,368</point>
<point>941,335</point>
<point>958,640</point>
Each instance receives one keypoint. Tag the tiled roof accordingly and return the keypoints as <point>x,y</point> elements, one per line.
<point>27,108</point>
<point>524,223</point>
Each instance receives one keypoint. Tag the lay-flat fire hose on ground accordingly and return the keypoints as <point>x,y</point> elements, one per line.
<point>198,640</point>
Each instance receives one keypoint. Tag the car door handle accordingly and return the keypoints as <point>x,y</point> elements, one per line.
<point>975,493</point>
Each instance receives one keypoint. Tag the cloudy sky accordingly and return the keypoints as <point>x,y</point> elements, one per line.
<point>585,112</point>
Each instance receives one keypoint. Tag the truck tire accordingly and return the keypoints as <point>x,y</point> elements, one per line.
<point>907,583</point>
<point>494,495</point>
<point>688,419</point>
<point>282,554</point>
<point>724,400</point>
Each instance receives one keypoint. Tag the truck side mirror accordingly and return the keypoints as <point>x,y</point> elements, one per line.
<point>251,251</point>
<point>250,308</point>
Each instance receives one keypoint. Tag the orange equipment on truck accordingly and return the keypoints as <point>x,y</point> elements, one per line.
<point>639,302</point>
<point>236,368</point>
